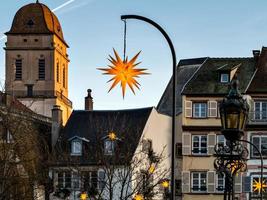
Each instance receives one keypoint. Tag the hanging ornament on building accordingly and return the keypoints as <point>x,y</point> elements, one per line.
<point>124,72</point>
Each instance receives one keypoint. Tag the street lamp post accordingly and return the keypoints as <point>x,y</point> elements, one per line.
<point>125,17</point>
<point>231,158</point>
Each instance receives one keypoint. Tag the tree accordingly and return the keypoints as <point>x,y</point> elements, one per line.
<point>24,151</point>
<point>118,151</point>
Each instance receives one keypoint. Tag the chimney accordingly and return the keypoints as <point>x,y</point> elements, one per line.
<point>88,101</point>
<point>256,54</point>
<point>56,124</point>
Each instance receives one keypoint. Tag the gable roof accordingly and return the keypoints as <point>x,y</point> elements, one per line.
<point>206,80</point>
<point>93,126</point>
<point>185,70</point>
<point>259,81</point>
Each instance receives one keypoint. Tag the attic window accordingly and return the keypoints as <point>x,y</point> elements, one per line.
<point>30,23</point>
<point>109,147</point>
<point>76,147</point>
<point>224,78</point>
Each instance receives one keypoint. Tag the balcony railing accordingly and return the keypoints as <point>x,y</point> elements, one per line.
<point>257,117</point>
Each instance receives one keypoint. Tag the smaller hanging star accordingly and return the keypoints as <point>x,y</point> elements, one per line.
<point>124,72</point>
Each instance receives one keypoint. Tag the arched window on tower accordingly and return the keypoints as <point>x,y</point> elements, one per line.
<point>57,72</point>
<point>18,69</point>
<point>41,70</point>
<point>64,76</point>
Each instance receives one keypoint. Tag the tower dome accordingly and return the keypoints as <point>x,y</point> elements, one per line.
<point>36,18</point>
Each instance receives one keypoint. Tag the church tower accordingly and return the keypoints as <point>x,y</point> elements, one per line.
<point>37,61</point>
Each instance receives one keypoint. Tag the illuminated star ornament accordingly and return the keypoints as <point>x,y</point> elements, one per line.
<point>124,72</point>
<point>257,185</point>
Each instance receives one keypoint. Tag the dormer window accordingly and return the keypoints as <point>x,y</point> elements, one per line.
<point>109,147</point>
<point>76,147</point>
<point>225,78</point>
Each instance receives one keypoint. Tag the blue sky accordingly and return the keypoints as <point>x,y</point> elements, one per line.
<point>198,28</point>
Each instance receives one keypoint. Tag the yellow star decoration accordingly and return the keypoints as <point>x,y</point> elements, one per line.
<point>123,71</point>
<point>138,197</point>
<point>165,183</point>
<point>83,196</point>
<point>257,185</point>
<point>112,136</point>
<point>151,169</point>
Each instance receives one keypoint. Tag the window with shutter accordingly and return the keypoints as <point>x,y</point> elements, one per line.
<point>211,143</point>
<point>186,182</point>
<point>41,69</point>
<point>238,183</point>
<point>18,70</point>
<point>211,182</point>
<point>186,142</point>
<point>199,181</point>
<point>212,108</point>
<point>199,145</point>
<point>188,109</point>
<point>179,150</point>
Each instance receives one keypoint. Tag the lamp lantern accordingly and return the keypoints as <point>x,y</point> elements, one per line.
<point>234,113</point>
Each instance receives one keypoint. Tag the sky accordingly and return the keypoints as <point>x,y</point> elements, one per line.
<point>93,27</point>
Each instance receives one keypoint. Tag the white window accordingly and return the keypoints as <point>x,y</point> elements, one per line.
<point>260,110</point>
<point>76,147</point>
<point>109,147</point>
<point>261,143</point>
<point>221,141</point>
<point>220,182</point>
<point>89,180</point>
<point>199,143</point>
<point>199,110</point>
<point>224,78</point>
<point>199,181</point>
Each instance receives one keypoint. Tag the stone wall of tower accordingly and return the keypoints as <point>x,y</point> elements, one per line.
<point>46,93</point>
<point>29,48</point>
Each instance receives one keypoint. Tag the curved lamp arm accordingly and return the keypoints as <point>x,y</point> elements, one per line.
<point>174,76</point>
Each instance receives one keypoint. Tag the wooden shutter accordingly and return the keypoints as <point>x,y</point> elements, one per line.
<point>211,143</point>
<point>211,182</point>
<point>238,183</point>
<point>186,181</point>
<point>246,184</point>
<point>188,109</point>
<point>212,108</point>
<point>186,142</point>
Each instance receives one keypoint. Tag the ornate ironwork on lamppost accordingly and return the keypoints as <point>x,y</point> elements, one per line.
<point>231,158</point>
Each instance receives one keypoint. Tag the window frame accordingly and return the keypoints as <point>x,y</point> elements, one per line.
<point>73,152</point>
<point>221,189</point>
<point>199,182</point>
<point>64,179</point>
<point>41,69</point>
<point>260,113</point>
<point>109,152</point>
<point>222,77</point>
<point>224,140</point>
<point>18,69</point>
<point>199,145</point>
<point>252,154</point>
<point>199,116</point>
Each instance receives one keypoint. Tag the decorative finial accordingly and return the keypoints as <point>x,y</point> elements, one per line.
<point>234,91</point>
<point>37,1</point>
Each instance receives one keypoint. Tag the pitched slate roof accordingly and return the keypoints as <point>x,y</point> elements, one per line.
<point>94,126</point>
<point>186,68</point>
<point>207,80</point>
<point>259,81</point>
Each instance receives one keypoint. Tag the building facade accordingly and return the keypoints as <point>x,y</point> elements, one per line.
<point>37,61</point>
